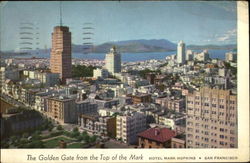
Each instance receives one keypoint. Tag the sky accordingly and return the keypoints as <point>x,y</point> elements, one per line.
<point>197,23</point>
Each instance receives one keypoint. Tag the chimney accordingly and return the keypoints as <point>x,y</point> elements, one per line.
<point>157,132</point>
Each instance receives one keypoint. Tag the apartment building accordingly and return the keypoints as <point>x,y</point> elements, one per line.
<point>211,119</point>
<point>176,104</point>
<point>62,109</point>
<point>129,125</point>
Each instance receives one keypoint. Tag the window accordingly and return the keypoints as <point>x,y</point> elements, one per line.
<point>222,136</point>
<point>206,104</point>
<point>232,102</point>
<point>221,106</point>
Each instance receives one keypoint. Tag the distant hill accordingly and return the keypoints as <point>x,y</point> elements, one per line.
<point>201,47</point>
<point>135,46</point>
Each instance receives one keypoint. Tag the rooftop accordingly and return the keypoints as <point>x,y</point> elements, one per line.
<point>158,134</point>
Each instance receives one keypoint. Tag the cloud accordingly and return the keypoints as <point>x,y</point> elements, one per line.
<point>228,36</point>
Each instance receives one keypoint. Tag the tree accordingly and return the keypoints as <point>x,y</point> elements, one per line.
<point>82,71</point>
<point>59,127</point>
<point>93,139</point>
<point>36,144</point>
<point>75,129</point>
<point>38,132</point>
<point>86,138</point>
<point>84,133</point>
<point>13,138</point>
<point>25,135</point>
<point>79,138</point>
<point>75,134</point>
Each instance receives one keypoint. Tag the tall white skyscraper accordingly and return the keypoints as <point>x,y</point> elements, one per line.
<point>181,52</point>
<point>113,61</point>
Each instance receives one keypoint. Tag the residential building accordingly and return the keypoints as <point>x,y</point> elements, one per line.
<point>176,104</point>
<point>107,103</point>
<point>129,125</point>
<point>85,107</point>
<point>189,55</point>
<point>211,119</point>
<point>203,56</point>
<point>156,138</point>
<point>141,98</point>
<point>103,73</point>
<point>151,77</point>
<point>62,109</point>
<point>105,126</point>
<point>231,57</point>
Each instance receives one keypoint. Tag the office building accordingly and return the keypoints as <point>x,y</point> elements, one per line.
<point>113,61</point>
<point>181,55</point>
<point>211,119</point>
<point>102,73</point>
<point>203,56</point>
<point>60,59</point>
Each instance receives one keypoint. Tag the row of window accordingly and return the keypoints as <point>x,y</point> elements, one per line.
<point>207,133</point>
<point>213,100</point>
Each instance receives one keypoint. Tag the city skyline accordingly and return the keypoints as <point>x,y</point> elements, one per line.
<point>132,20</point>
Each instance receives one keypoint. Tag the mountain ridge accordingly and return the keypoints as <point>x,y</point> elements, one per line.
<point>140,46</point>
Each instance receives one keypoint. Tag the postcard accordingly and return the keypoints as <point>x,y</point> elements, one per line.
<point>124,81</point>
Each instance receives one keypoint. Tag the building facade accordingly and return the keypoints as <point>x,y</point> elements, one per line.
<point>129,125</point>
<point>60,60</point>
<point>156,138</point>
<point>181,55</point>
<point>62,109</point>
<point>211,119</point>
<point>113,61</point>
<point>231,57</point>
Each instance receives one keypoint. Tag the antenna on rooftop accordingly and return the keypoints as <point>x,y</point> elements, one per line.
<point>60,13</point>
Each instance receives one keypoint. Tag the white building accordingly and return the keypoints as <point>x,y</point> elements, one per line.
<point>203,56</point>
<point>129,125</point>
<point>103,73</point>
<point>47,78</point>
<point>189,55</point>
<point>231,57</point>
<point>181,52</point>
<point>113,61</point>
<point>222,72</point>
<point>2,77</point>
